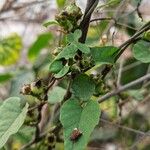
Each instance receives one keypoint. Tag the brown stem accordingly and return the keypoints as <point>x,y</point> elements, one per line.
<point>123,88</point>
<point>124,45</point>
<point>84,25</point>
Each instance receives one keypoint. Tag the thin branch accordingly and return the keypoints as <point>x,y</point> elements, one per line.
<point>33,141</point>
<point>37,137</point>
<point>36,106</point>
<point>123,88</point>
<point>22,5</point>
<point>123,127</point>
<point>126,26</point>
<point>100,19</point>
<point>120,72</point>
<point>139,32</point>
<point>115,22</point>
<point>123,46</point>
<point>130,66</point>
<point>120,9</point>
<point>139,140</point>
<point>143,102</point>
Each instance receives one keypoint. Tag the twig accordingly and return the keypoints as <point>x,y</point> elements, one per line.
<point>138,11</point>
<point>36,106</point>
<point>115,22</point>
<point>139,140</point>
<point>37,136</point>
<point>117,14</point>
<point>143,102</point>
<point>123,46</point>
<point>126,26</point>
<point>50,85</point>
<point>99,19</point>
<point>22,5</point>
<point>130,66</point>
<point>120,72</point>
<point>123,127</point>
<point>33,141</point>
<point>123,88</point>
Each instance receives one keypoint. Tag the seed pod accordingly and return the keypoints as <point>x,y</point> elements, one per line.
<point>75,135</point>
<point>50,141</point>
<point>26,89</point>
<point>36,87</point>
<point>69,17</point>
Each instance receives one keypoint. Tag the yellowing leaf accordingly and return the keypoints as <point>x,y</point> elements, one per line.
<point>10,48</point>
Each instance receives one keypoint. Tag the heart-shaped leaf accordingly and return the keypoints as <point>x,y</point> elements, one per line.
<point>84,118</point>
<point>83,87</point>
<point>55,66</point>
<point>104,55</point>
<point>62,72</point>
<point>141,51</point>
<point>67,52</point>
<point>74,37</point>
<point>56,95</point>
<point>83,48</point>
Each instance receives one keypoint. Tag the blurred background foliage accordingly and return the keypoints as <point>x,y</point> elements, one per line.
<point>27,48</point>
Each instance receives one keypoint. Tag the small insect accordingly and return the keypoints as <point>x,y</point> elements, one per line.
<point>75,135</point>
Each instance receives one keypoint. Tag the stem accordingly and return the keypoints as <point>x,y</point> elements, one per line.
<point>123,88</point>
<point>123,46</point>
<point>123,127</point>
<point>84,25</point>
<point>100,19</point>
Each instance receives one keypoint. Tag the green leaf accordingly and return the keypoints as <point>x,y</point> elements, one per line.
<point>146,36</point>
<point>55,66</point>
<point>133,73</point>
<point>84,118</point>
<point>60,3</point>
<point>141,51</point>
<point>10,48</point>
<point>40,43</point>
<point>24,134</point>
<point>5,77</point>
<point>62,72</point>
<point>83,48</point>
<point>50,22</point>
<point>83,87</point>
<point>67,52</point>
<point>23,77</point>
<point>74,37</point>
<point>104,54</point>
<point>56,95</point>
<point>77,34</point>
<point>12,116</point>
<point>137,94</point>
